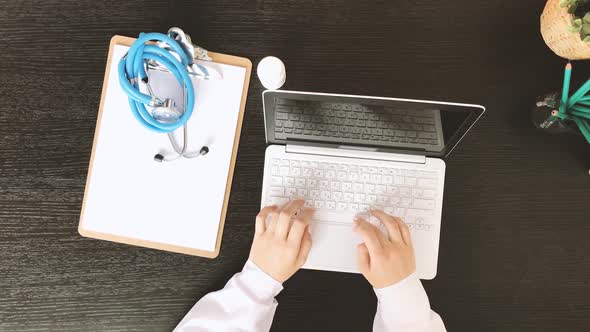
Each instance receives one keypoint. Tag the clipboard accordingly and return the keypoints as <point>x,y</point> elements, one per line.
<point>89,229</point>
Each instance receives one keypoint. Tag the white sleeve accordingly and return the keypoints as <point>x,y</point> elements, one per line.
<point>246,303</point>
<point>405,307</point>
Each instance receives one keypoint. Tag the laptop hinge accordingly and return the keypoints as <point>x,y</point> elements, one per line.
<point>352,152</point>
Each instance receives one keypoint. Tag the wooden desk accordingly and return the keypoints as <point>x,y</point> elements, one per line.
<point>514,243</point>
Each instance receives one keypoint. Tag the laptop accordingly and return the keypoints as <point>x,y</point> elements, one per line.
<point>345,154</point>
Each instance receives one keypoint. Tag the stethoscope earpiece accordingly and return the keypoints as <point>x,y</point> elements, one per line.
<point>160,157</point>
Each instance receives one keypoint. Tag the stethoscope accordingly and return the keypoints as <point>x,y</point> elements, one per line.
<point>173,53</point>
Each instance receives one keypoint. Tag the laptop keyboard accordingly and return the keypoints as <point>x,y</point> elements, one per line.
<point>355,123</point>
<point>336,188</point>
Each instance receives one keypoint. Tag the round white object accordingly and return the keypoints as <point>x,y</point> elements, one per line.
<point>271,72</point>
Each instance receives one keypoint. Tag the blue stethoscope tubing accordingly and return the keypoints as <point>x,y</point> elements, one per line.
<point>131,70</point>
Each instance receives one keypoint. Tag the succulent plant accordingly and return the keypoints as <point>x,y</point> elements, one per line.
<point>580,10</point>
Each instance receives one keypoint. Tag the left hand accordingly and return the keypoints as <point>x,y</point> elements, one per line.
<point>282,247</point>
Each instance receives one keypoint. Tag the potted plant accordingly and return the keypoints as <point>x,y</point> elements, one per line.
<point>565,27</point>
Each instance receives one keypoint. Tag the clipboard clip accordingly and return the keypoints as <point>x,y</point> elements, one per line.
<point>200,70</point>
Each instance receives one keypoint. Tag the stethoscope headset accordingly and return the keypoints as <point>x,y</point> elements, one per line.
<point>176,54</point>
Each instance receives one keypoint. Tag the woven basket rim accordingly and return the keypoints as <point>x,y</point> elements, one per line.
<point>555,21</point>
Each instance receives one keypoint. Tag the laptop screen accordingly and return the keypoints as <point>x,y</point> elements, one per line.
<point>400,125</point>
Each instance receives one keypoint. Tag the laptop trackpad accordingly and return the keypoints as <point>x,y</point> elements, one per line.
<point>333,248</point>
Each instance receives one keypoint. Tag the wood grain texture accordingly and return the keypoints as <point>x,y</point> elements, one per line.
<point>514,243</point>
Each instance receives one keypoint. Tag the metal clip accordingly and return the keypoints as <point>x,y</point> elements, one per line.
<point>195,52</point>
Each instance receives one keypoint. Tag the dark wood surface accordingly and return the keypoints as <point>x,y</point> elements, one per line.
<point>514,243</point>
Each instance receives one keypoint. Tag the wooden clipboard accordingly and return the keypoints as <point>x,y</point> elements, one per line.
<point>217,58</point>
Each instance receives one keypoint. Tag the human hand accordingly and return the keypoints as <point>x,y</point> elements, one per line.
<point>281,247</point>
<point>385,260</point>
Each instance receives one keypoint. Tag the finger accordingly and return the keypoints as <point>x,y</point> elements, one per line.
<point>363,258</point>
<point>381,237</point>
<point>299,227</point>
<point>261,219</point>
<point>305,249</point>
<point>274,219</point>
<point>370,235</point>
<point>285,217</point>
<point>405,232</point>
<point>393,229</point>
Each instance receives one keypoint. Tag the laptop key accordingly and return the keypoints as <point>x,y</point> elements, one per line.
<point>281,116</point>
<point>276,181</point>
<point>276,191</point>
<point>427,204</point>
<point>426,183</point>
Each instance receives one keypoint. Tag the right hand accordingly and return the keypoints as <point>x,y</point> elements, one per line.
<point>385,260</point>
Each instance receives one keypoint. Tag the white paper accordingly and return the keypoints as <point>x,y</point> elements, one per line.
<point>179,202</point>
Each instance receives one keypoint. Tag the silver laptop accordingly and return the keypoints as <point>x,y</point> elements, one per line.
<point>344,154</point>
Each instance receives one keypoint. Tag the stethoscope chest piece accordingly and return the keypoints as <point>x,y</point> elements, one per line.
<point>166,113</point>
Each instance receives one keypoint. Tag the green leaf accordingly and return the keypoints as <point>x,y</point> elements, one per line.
<point>572,29</point>
<point>577,22</point>
<point>586,18</point>
<point>586,29</point>
<point>586,39</point>
<point>572,5</point>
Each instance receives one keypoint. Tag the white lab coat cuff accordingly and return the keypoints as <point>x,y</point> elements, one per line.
<point>405,302</point>
<point>260,283</point>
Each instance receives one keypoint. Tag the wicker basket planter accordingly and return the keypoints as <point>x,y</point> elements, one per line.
<point>555,21</point>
